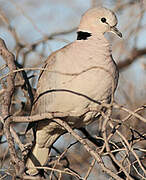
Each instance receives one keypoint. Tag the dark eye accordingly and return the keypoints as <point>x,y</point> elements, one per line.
<point>103,20</point>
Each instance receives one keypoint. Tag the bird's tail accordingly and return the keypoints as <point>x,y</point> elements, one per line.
<point>37,157</point>
<point>47,133</point>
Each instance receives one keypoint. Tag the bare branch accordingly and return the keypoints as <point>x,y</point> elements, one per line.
<point>135,54</point>
<point>7,96</point>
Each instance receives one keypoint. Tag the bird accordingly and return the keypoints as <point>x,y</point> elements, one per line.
<point>81,75</point>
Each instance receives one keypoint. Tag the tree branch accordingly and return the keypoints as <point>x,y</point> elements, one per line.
<point>6,104</point>
<point>135,54</point>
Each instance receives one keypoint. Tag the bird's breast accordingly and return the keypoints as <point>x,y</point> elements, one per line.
<point>74,83</point>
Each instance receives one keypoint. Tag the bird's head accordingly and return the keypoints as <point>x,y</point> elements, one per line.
<point>99,20</point>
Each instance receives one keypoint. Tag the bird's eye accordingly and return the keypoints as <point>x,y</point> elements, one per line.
<point>103,20</point>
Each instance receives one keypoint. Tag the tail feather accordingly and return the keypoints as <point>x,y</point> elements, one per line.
<point>47,133</point>
<point>38,157</point>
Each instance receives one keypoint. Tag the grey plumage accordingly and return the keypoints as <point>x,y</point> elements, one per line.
<point>73,75</point>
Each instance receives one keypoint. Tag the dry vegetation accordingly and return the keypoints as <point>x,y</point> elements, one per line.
<point>113,148</point>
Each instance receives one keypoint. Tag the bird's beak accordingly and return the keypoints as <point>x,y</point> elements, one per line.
<point>116,31</point>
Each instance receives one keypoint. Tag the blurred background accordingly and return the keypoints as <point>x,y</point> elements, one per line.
<point>33,29</point>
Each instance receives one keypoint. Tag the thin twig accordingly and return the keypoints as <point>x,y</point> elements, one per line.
<point>92,152</point>
<point>90,169</point>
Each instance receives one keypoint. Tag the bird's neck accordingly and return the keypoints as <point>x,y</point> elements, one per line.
<point>82,35</point>
<point>96,41</point>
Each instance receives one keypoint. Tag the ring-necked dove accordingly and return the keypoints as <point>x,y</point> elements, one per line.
<point>75,78</point>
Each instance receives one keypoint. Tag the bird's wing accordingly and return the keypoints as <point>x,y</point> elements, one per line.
<point>42,81</point>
